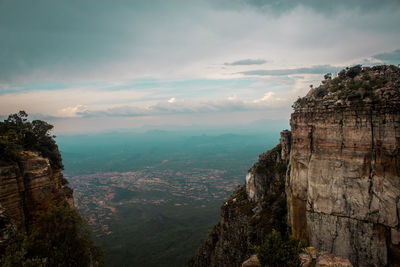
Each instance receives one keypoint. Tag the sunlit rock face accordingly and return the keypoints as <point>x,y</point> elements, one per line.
<point>29,187</point>
<point>343,182</point>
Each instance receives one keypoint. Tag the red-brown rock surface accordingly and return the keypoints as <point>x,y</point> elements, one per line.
<point>30,186</point>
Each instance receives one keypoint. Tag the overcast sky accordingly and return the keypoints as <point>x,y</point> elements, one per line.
<point>98,65</point>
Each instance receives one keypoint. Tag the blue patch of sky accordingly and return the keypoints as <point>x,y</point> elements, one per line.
<point>186,84</point>
<point>137,84</point>
<point>47,86</point>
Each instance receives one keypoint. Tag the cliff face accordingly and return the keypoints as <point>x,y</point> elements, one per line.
<point>343,184</point>
<point>247,218</point>
<point>342,165</point>
<point>30,186</point>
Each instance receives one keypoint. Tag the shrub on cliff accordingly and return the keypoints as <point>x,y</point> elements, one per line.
<point>280,252</point>
<point>62,238</point>
<point>17,134</point>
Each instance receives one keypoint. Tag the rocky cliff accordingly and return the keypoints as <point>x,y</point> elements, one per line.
<point>30,175</point>
<point>341,168</point>
<point>343,183</point>
<point>30,186</point>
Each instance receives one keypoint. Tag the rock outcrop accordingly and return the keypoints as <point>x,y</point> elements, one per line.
<point>342,165</point>
<point>312,258</point>
<point>28,187</point>
<point>247,218</point>
<point>343,182</point>
<point>251,262</point>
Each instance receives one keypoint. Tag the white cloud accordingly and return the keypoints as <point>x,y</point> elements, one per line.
<point>71,112</point>
<point>114,43</point>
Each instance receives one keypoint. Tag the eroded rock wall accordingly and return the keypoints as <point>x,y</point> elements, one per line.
<point>30,186</point>
<point>343,182</point>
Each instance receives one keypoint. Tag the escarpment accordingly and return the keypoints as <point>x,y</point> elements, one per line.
<point>341,167</point>
<point>30,186</point>
<point>343,183</point>
<point>30,175</point>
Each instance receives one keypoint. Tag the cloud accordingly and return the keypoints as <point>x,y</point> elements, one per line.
<point>322,69</point>
<point>279,7</point>
<point>76,59</point>
<point>246,62</point>
<point>190,106</point>
<point>268,98</point>
<point>70,112</point>
<point>389,57</point>
<point>100,40</point>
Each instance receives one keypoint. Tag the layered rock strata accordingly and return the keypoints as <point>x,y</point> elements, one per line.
<point>342,164</point>
<point>343,182</point>
<point>30,186</point>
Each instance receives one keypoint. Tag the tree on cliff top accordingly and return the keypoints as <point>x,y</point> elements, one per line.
<point>18,134</point>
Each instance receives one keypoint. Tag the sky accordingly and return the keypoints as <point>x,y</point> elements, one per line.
<point>92,66</point>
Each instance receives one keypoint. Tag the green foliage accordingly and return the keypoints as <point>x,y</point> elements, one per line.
<point>241,203</point>
<point>16,254</point>
<point>328,76</point>
<point>280,252</point>
<point>320,91</point>
<point>354,71</point>
<point>17,134</point>
<point>298,103</point>
<point>61,238</point>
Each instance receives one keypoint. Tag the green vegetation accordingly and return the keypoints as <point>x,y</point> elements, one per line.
<point>328,76</point>
<point>61,238</point>
<point>299,102</point>
<point>18,134</point>
<point>352,84</point>
<point>273,173</point>
<point>280,252</point>
<point>242,204</point>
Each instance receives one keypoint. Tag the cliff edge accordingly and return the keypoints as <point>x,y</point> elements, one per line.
<point>341,167</point>
<point>343,182</point>
<point>30,175</point>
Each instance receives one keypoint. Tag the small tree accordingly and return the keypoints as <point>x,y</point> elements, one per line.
<point>280,252</point>
<point>354,71</point>
<point>328,76</point>
<point>17,134</point>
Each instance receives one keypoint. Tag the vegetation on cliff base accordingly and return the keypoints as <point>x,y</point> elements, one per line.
<point>18,134</point>
<point>61,238</point>
<point>280,252</point>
